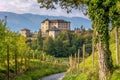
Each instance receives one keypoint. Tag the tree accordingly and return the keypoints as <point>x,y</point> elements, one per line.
<point>34,45</point>
<point>98,11</point>
<point>2,40</point>
<point>115,19</point>
<point>48,46</point>
<point>40,41</point>
<point>60,48</point>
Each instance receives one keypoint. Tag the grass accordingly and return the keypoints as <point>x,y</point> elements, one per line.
<point>91,74</point>
<point>43,70</point>
<point>35,70</point>
<point>36,74</point>
<point>116,74</point>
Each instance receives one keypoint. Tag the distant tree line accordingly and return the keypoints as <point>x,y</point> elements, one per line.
<point>67,43</point>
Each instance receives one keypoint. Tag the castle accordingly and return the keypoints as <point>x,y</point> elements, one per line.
<point>28,34</point>
<point>50,28</point>
<point>54,27</point>
<point>25,32</point>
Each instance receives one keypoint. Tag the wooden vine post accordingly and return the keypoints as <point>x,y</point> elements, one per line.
<point>92,53</point>
<point>75,61</point>
<point>16,62</point>
<point>8,62</point>
<point>78,59</point>
<point>28,59</point>
<point>33,54</point>
<point>83,58</point>
<point>71,63</point>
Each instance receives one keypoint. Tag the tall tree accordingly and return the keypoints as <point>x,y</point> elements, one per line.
<point>49,46</point>
<point>40,41</point>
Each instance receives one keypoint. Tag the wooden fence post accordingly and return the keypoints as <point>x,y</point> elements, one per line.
<point>71,63</point>
<point>83,57</point>
<point>16,62</point>
<point>75,61</point>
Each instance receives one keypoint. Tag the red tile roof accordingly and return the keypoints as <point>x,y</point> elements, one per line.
<point>56,21</point>
<point>25,29</point>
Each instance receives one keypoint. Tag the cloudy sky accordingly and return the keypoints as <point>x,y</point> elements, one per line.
<point>31,6</point>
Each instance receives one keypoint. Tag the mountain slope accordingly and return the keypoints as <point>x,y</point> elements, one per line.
<point>31,21</point>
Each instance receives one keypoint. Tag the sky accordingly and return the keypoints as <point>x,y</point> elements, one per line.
<point>31,6</point>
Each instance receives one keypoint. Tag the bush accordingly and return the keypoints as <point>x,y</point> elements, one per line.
<point>116,74</point>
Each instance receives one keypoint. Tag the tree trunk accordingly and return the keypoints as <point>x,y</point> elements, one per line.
<point>92,53</point>
<point>33,55</point>
<point>78,59</point>
<point>104,54</point>
<point>8,62</point>
<point>104,64</point>
<point>117,45</point>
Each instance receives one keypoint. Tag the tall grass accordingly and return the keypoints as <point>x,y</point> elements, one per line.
<point>43,70</point>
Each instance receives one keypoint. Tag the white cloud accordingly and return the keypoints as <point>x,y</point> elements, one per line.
<point>31,6</point>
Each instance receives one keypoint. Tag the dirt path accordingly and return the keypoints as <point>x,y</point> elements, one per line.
<point>58,76</point>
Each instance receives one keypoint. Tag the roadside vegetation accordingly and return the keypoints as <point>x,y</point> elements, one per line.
<point>44,69</point>
<point>92,73</point>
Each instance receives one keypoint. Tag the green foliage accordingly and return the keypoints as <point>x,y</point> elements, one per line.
<point>44,70</point>
<point>82,76</point>
<point>114,13</point>
<point>48,46</point>
<point>68,43</point>
<point>39,41</point>
<point>116,75</point>
<point>2,30</point>
<point>70,77</point>
<point>65,4</point>
<point>92,74</point>
<point>99,14</point>
<point>25,77</point>
<point>24,57</point>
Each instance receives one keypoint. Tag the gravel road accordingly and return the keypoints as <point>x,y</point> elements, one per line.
<point>58,76</point>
